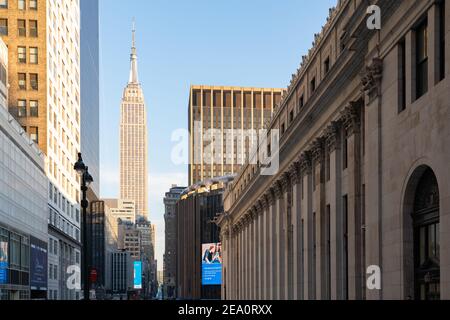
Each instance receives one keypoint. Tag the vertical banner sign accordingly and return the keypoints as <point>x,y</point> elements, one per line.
<point>3,262</point>
<point>38,272</point>
<point>212,264</point>
<point>137,275</point>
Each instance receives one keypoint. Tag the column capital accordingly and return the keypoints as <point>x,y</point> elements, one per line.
<point>265,201</point>
<point>260,207</point>
<point>270,195</point>
<point>278,189</point>
<point>332,136</point>
<point>351,118</point>
<point>247,218</point>
<point>305,162</point>
<point>371,77</point>
<point>254,212</point>
<point>285,182</point>
<point>318,150</point>
<point>295,173</point>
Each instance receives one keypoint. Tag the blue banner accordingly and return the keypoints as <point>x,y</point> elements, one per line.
<point>137,275</point>
<point>38,271</point>
<point>3,262</point>
<point>212,264</point>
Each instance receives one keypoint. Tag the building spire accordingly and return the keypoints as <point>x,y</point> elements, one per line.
<point>134,69</point>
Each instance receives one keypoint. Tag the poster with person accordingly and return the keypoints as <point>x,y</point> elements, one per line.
<point>3,262</point>
<point>211,264</point>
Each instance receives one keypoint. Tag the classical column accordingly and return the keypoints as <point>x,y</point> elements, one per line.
<point>231,272</point>
<point>266,248</point>
<point>246,260</point>
<point>286,248</point>
<point>260,263</point>
<point>373,158</point>
<point>319,207</point>
<point>352,123</point>
<point>307,234</point>
<point>257,252</point>
<point>252,255</point>
<point>337,277</point>
<point>297,272</point>
<point>241,260</point>
<point>280,243</point>
<point>224,238</point>
<point>272,245</point>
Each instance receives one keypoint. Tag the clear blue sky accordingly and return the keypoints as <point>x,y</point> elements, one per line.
<point>229,42</point>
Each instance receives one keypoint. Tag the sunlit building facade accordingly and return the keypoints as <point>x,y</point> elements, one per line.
<point>224,123</point>
<point>363,184</point>
<point>43,38</point>
<point>133,142</point>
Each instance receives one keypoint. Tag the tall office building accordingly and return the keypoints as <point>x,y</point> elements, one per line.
<point>43,38</point>
<point>222,117</point>
<point>23,206</point>
<point>90,88</point>
<point>133,141</point>
<point>170,259</point>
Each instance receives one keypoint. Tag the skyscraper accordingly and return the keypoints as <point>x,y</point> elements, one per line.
<point>133,141</point>
<point>90,89</point>
<point>43,38</point>
<point>170,259</point>
<point>223,123</point>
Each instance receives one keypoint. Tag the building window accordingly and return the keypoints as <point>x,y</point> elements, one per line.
<point>34,135</point>
<point>33,28</point>
<point>34,81</point>
<point>442,40</point>
<point>33,4</point>
<point>301,102</point>
<point>22,54</point>
<point>33,55</point>
<point>34,108</point>
<point>401,76</point>
<point>3,4</point>
<point>313,85</point>
<point>421,59</point>
<point>4,27</point>
<point>326,65</point>
<point>22,28</point>
<point>21,5</point>
<point>21,108</point>
<point>345,152</point>
<point>291,116</point>
<point>22,81</point>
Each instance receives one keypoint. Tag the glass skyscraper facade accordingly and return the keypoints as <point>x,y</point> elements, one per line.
<point>90,97</point>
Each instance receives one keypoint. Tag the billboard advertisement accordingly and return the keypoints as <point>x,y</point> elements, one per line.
<point>212,264</point>
<point>38,264</point>
<point>3,262</point>
<point>137,278</point>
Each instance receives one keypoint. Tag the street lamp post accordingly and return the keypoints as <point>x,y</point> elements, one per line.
<point>86,180</point>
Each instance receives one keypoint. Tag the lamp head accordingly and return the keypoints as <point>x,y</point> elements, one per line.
<point>79,166</point>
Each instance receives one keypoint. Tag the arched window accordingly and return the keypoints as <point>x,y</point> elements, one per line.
<point>426,238</point>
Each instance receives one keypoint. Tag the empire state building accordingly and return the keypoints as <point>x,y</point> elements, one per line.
<point>133,141</point>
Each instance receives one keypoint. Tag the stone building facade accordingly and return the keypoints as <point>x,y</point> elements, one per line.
<point>363,180</point>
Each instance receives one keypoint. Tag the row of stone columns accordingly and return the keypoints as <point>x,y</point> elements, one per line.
<point>303,237</point>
